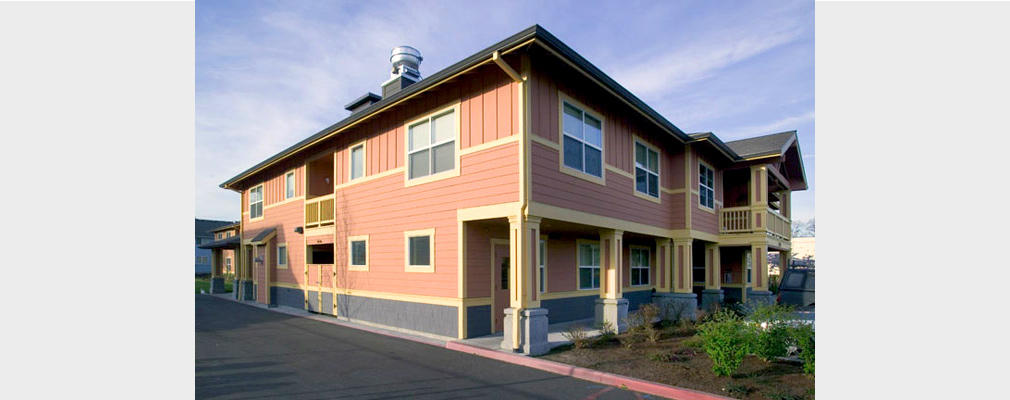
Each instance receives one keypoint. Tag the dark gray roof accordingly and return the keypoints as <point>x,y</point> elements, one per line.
<point>205,226</point>
<point>776,143</point>
<point>534,32</point>
<point>361,100</point>
<point>226,243</point>
<point>225,227</point>
<point>263,235</point>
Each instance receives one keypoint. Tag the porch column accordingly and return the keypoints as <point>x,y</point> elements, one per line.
<point>216,279</point>
<point>759,260</point>
<point>713,294</point>
<point>664,267</point>
<point>758,197</point>
<point>525,322</point>
<point>248,259</point>
<point>612,307</point>
<point>784,258</point>
<point>682,301</point>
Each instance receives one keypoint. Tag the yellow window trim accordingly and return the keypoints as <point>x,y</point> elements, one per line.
<point>293,177</point>
<point>658,199</point>
<point>283,265</point>
<point>262,202</point>
<point>578,263</point>
<point>430,268</point>
<point>648,270</point>
<point>364,160</point>
<point>454,172</point>
<point>350,253</point>
<point>602,179</point>
<point>707,165</point>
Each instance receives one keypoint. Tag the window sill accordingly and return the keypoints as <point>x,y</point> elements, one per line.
<point>430,178</point>
<point>599,180</point>
<point>360,268</point>
<point>648,197</point>
<point>706,209</point>
<point>419,268</point>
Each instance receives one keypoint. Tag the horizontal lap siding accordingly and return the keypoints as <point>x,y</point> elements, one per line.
<point>384,209</point>
<point>285,218</point>
<point>562,270</point>
<point>616,199</point>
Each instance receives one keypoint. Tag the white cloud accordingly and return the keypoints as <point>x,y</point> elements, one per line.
<point>784,124</point>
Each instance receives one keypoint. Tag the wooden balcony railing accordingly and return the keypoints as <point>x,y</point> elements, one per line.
<point>319,212</point>
<point>738,220</point>
<point>734,220</point>
<point>779,225</point>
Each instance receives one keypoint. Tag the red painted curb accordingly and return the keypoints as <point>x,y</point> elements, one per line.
<point>605,378</point>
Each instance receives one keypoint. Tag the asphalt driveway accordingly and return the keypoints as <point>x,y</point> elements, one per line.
<point>247,352</point>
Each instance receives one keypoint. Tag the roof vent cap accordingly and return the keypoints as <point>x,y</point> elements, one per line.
<point>406,60</point>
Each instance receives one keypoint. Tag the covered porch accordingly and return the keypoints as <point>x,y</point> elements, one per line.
<point>218,267</point>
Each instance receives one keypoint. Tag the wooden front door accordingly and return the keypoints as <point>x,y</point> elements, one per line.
<point>501,284</point>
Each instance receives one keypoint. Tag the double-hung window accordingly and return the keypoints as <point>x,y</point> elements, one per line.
<point>289,185</point>
<point>639,266</point>
<point>357,161</point>
<point>706,183</point>
<point>589,266</point>
<point>583,141</point>
<point>543,264</point>
<point>646,170</point>
<point>256,202</point>
<point>431,146</point>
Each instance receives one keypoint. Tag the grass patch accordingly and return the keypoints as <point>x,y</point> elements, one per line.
<point>204,284</point>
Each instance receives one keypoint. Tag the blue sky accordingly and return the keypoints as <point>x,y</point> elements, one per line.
<point>269,74</point>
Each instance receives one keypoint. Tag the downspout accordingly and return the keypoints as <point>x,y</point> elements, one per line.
<point>523,183</point>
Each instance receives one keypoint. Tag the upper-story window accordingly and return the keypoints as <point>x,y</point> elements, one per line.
<point>583,141</point>
<point>357,161</point>
<point>646,170</point>
<point>431,146</point>
<point>256,202</point>
<point>706,183</point>
<point>289,185</point>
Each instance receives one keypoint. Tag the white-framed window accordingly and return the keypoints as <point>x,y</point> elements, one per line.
<point>256,202</point>
<point>289,185</point>
<point>589,266</point>
<point>227,264</point>
<point>282,255</point>
<point>419,250</point>
<point>706,183</point>
<point>543,265</point>
<point>201,259</point>
<point>357,253</point>
<point>357,168</point>
<point>431,145</point>
<point>640,263</point>
<point>646,169</point>
<point>583,141</point>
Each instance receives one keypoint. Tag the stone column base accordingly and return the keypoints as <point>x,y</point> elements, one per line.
<point>217,285</point>
<point>685,304</point>
<point>532,331</point>
<point>248,291</point>
<point>756,298</point>
<point>614,311</point>
<point>710,299</point>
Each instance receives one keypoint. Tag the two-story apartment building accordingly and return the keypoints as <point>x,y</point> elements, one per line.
<point>518,186</point>
<point>205,229</point>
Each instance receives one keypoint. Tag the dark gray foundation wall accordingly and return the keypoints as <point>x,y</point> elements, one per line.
<point>571,308</point>
<point>428,318</point>
<point>478,321</point>
<point>636,299</point>
<point>287,297</point>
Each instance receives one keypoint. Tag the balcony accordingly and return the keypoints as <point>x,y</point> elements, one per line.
<point>741,220</point>
<point>319,212</point>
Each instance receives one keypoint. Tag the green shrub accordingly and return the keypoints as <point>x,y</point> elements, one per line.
<point>649,314</point>
<point>577,335</point>
<point>726,340</point>
<point>607,332</point>
<point>771,331</point>
<point>804,337</point>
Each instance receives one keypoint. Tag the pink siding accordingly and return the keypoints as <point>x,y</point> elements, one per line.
<point>562,267</point>
<point>383,209</point>
<point>616,199</point>
<point>285,218</point>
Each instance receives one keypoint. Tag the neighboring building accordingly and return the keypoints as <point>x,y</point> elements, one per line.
<point>205,234</point>
<point>222,254</point>
<point>518,186</point>
<point>803,248</point>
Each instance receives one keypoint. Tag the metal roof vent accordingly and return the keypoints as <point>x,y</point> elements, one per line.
<point>406,62</point>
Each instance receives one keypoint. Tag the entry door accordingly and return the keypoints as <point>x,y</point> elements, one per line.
<point>501,284</point>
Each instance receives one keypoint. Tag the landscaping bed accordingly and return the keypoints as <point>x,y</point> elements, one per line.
<point>677,358</point>
<point>204,283</point>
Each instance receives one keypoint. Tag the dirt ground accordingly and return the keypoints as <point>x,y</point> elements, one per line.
<point>668,361</point>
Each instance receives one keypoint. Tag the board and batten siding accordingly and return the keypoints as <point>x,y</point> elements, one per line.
<point>704,220</point>
<point>549,82</point>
